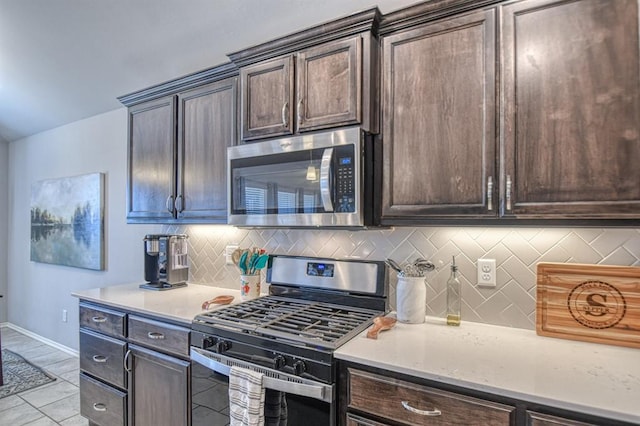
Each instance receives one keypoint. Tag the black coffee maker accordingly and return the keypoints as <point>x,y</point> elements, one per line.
<point>166,264</point>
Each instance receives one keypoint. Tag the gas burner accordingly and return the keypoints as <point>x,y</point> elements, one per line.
<point>302,321</point>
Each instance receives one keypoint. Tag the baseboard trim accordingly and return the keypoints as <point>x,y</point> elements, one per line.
<point>41,339</point>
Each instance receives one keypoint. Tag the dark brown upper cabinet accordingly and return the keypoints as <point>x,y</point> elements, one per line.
<point>151,184</point>
<point>322,77</point>
<point>541,123</point>
<point>316,88</point>
<point>207,124</point>
<point>571,109</point>
<point>267,98</point>
<point>178,146</point>
<point>439,129</point>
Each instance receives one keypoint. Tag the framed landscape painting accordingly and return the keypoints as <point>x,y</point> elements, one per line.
<point>67,221</point>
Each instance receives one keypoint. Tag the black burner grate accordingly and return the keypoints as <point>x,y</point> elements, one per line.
<point>299,321</point>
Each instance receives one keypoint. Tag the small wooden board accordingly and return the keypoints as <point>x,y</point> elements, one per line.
<point>593,303</point>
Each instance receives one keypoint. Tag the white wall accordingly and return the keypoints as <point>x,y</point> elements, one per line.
<point>4,208</point>
<point>38,292</point>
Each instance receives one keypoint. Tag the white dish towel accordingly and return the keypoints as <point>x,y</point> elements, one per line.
<point>246,397</point>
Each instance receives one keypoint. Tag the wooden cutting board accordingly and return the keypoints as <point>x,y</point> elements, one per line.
<point>594,303</point>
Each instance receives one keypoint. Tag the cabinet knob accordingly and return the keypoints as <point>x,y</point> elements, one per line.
<point>285,114</point>
<point>299,111</point>
<point>490,193</point>
<point>508,193</point>
<point>154,335</point>
<point>99,359</point>
<point>433,413</point>
<point>99,406</point>
<point>169,204</point>
<point>179,204</point>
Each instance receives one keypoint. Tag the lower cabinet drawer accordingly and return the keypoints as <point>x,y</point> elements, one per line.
<point>103,357</point>
<point>539,419</point>
<point>411,404</point>
<point>359,421</point>
<point>104,320</point>
<point>162,336</point>
<point>102,404</point>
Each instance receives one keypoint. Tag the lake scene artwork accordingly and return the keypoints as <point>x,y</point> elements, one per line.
<point>67,221</point>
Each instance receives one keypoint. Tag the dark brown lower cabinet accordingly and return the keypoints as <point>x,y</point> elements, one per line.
<point>408,403</point>
<point>158,388</point>
<point>369,396</point>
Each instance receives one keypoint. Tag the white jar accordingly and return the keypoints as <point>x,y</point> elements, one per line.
<point>411,299</point>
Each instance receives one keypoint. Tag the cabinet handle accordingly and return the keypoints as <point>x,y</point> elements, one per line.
<point>126,361</point>
<point>169,203</point>
<point>490,193</point>
<point>434,412</point>
<point>299,111</point>
<point>99,406</point>
<point>179,204</point>
<point>99,319</point>
<point>285,114</point>
<point>155,335</point>
<point>100,358</point>
<point>508,192</point>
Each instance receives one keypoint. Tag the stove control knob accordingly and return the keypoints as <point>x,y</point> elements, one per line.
<point>222,346</point>
<point>278,362</point>
<point>207,342</point>
<point>299,367</point>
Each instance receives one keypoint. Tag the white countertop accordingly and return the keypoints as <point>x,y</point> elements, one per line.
<point>179,304</point>
<point>591,378</point>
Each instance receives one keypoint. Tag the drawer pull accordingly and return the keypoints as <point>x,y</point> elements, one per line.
<point>99,319</point>
<point>99,406</point>
<point>434,412</point>
<point>155,335</point>
<point>100,358</point>
<point>126,361</point>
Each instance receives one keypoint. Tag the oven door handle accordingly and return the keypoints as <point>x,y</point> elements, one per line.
<point>318,391</point>
<point>325,180</point>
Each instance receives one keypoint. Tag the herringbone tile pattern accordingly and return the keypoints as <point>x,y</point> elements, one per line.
<point>517,252</point>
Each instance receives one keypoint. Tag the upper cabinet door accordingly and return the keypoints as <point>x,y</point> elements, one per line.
<point>206,127</point>
<point>572,123</point>
<point>151,185</point>
<point>329,86</point>
<point>439,120</point>
<point>267,98</point>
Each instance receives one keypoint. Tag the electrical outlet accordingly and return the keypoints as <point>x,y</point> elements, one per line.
<point>228,250</point>
<point>64,315</point>
<point>487,272</point>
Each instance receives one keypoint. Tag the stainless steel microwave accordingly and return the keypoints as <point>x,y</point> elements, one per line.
<point>324,179</point>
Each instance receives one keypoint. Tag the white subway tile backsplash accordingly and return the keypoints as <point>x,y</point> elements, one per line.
<point>516,250</point>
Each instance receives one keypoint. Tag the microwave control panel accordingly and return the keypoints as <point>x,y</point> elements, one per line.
<point>345,175</point>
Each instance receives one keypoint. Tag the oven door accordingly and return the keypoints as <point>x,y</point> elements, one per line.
<point>302,181</point>
<point>308,403</point>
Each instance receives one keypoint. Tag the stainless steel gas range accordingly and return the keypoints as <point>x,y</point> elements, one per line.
<point>314,306</point>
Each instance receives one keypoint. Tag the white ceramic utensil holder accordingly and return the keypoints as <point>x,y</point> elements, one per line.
<point>249,286</point>
<point>411,299</point>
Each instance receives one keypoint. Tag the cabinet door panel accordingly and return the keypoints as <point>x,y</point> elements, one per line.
<point>329,85</point>
<point>439,119</point>
<point>572,128</point>
<point>267,98</point>
<point>158,389</point>
<point>152,160</point>
<point>207,126</point>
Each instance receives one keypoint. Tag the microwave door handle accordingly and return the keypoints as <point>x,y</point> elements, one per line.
<point>325,182</point>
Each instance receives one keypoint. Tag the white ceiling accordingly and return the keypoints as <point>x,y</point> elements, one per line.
<point>65,60</point>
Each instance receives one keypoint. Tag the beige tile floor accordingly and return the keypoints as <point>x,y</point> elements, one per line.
<point>56,403</point>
